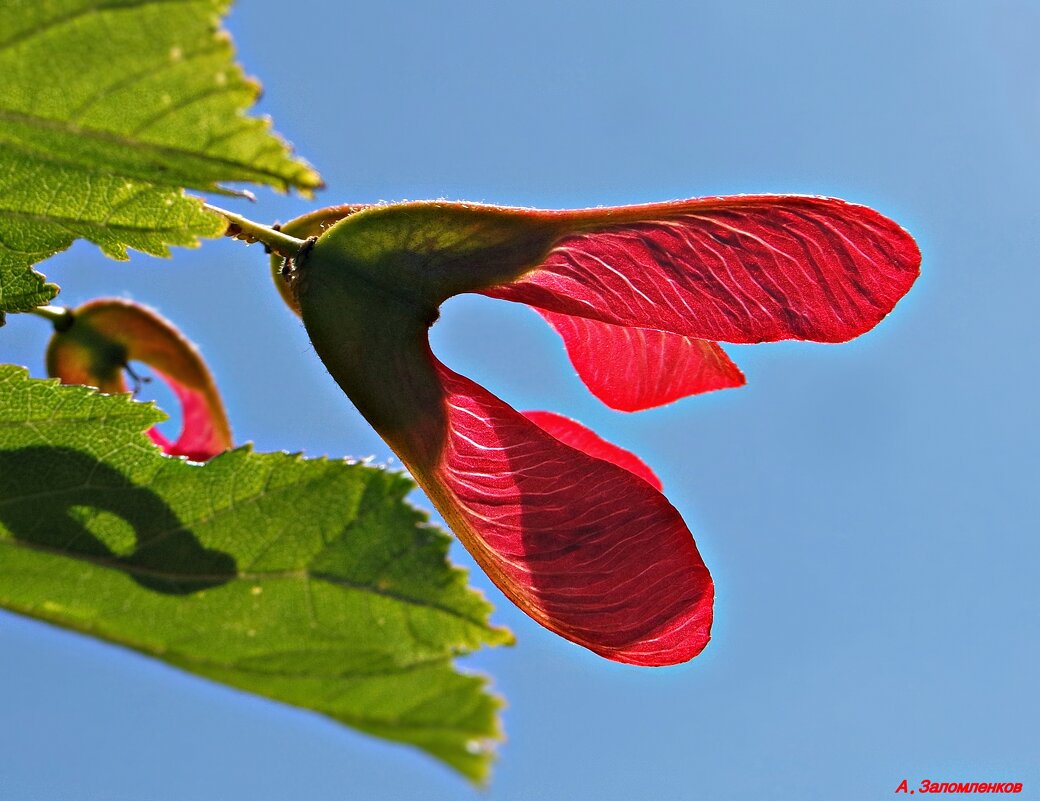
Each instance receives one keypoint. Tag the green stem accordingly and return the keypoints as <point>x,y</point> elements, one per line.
<point>60,316</point>
<point>247,230</point>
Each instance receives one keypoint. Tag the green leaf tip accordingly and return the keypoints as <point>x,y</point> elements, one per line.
<point>308,581</point>
<point>108,111</point>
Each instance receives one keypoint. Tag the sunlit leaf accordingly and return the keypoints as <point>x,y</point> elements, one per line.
<point>107,111</point>
<point>307,581</point>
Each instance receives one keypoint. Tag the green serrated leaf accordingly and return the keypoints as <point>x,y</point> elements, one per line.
<point>308,581</point>
<point>108,110</point>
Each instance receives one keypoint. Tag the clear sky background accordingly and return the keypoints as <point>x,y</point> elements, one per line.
<point>869,511</point>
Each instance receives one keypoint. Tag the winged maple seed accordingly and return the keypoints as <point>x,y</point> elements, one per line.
<point>574,530</point>
<point>105,335</point>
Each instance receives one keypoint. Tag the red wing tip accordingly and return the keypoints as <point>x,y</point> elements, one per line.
<point>678,654</point>
<point>734,381</point>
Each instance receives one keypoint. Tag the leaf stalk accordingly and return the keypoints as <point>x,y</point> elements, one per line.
<point>248,231</point>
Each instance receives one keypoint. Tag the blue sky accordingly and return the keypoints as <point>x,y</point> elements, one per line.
<point>868,511</point>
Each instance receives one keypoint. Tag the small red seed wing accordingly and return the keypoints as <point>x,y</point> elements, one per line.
<point>631,369</point>
<point>107,334</point>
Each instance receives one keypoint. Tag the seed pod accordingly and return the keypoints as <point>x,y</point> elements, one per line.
<point>107,334</point>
